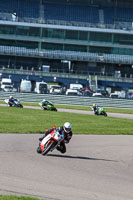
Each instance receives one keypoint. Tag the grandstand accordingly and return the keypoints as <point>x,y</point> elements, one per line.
<point>95,37</point>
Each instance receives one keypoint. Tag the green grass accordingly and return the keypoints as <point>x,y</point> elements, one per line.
<point>12,197</point>
<point>16,120</point>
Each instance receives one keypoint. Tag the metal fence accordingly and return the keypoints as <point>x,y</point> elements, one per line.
<point>70,100</point>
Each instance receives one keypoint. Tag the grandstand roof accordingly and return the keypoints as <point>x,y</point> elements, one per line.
<point>87,1</point>
<point>93,2</point>
<point>71,1</point>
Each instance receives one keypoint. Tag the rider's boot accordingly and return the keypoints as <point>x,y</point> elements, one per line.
<point>61,148</point>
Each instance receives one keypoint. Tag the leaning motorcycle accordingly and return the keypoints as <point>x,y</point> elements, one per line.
<point>50,106</point>
<point>50,142</point>
<point>15,103</point>
<point>101,111</point>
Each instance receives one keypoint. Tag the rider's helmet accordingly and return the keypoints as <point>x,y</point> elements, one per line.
<point>67,127</point>
<point>44,100</point>
<point>11,97</point>
<point>94,105</point>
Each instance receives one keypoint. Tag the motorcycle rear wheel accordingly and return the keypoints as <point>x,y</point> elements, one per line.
<point>47,149</point>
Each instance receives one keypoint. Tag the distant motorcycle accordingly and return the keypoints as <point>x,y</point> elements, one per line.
<point>101,111</point>
<point>15,103</point>
<point>50,142</point>
<point>49,106</point>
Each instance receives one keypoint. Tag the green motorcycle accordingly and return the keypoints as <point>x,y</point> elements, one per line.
<point>48,106</point>
<point>101,111</point>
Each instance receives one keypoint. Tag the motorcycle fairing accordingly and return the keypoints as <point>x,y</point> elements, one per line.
<point>53,136</point>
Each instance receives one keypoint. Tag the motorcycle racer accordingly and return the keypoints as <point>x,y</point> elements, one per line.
<point>98,110</point>
<point>44,102</point>
<point>65,130</point>
<point>11,101</point>
<point>94,107</point>
<point>47,105</point>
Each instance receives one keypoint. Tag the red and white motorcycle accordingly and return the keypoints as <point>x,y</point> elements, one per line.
<point>50,142</point>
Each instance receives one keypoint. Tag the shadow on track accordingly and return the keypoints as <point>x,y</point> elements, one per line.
<point>79,157</point>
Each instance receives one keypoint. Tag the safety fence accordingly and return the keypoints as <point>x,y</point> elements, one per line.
<point>70,100</point>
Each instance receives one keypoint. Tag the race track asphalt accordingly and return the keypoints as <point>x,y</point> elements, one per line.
<point>93,168</point>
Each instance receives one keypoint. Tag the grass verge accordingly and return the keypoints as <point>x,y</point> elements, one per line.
<point>12,197</point>
<point>17,120</point>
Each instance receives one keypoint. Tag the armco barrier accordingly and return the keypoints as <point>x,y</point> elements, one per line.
<point>70,100</point>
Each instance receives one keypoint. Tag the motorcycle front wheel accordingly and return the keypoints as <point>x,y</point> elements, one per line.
<point>47,149</point>
<point>39,150</point>
<point>105,114</point>
<point>54,109</point>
